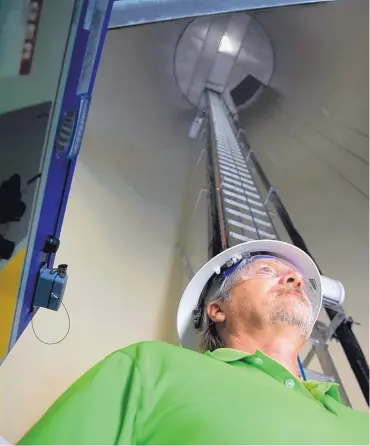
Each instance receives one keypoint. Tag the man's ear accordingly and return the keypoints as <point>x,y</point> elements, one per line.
<point>215,312</point>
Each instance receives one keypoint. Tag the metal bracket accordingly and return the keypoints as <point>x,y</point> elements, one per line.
<point>249,153</point>
<point>196,127</point>
<point>328,331</point>
<point>270,192</point>
<point>339,318</point>
<point>317,376</point>
<point>308,358</point>
<point>272,215</point>
<point>185,260</point>
<point>200,194</point>
<point>202,152</point>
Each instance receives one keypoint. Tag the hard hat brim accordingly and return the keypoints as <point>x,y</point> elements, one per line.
<point>190,297</point>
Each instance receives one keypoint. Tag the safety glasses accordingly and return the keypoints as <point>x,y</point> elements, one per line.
<point>249,267</point>
<point>245,267</point>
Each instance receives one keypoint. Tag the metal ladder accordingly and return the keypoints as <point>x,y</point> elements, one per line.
<point>242,214</point>
<point>246,217</point>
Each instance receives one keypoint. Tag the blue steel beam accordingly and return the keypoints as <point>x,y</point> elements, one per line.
<point>136,12</point>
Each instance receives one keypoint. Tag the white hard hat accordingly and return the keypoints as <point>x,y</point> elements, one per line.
<point>290,253</point>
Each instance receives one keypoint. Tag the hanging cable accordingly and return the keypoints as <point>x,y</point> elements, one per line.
<point>60,340</point>
<point>301,369</point>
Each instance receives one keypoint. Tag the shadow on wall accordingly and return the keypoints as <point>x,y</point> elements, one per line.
<point>192,243</point>
<point>166,319</point>
<point>268,100</point>
<point>177,281</point>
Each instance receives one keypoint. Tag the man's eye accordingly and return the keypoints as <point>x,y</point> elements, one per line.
<point>266,270</point>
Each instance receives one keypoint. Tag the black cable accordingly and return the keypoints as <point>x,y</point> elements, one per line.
<point>33,179</point>
<point>60,340</point>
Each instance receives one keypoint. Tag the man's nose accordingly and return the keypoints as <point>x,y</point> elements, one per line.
<point>293,278</point>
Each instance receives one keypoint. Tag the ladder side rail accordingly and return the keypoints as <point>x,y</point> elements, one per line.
<point>219,236</point>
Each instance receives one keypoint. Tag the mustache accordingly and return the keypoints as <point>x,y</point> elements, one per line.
<point>289,289</point>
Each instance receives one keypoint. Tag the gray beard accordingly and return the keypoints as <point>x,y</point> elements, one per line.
<point>301,319</point>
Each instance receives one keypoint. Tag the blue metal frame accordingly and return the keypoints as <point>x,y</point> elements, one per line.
<point>57,172</point>
<point>136,12</point>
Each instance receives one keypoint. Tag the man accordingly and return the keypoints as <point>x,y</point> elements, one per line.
<point>253,306</point>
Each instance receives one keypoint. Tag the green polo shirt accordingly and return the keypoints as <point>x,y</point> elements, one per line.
<point>156,393</point>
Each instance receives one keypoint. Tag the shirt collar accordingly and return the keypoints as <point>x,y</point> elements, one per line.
<point>227,354</point>
<point>316,388</point>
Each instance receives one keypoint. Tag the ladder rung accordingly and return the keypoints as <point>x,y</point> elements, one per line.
<point>224,152</point>
<point>234,195</point>
<point>257,203</point>
<point>234,168</point>
<point>231,160</point>
<point>228,144</point>
<point>237,236</point>
<point>240,225</point>
<point>228,158</point>
<point>246,199</point>
<point>237,177</point>
<point>230,168</point>
<point>232,187</point>
<point>239,189</point>
<point>239,183</point>
<point>253,229</point>
<point>243,169</point>
<point>257,211</point>
<point>228,152</point>
<point>318,376</point>
<point>242,206</point>
<point>223,140</point>
<point>246,179</point>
